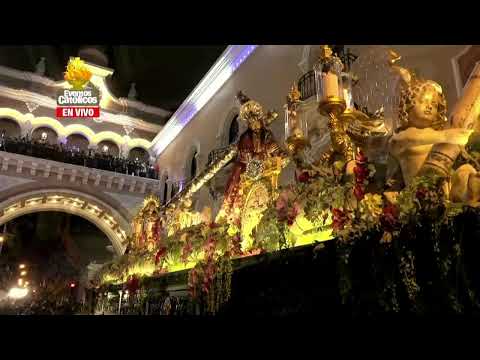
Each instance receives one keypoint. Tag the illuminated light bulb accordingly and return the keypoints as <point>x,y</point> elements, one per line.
<point>23,273</point>
<point>17,293</point>
<point>22,266</point>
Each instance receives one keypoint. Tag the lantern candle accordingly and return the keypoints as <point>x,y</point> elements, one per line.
<point>330,85</point>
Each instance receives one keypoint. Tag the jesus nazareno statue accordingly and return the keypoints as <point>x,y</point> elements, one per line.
<point>255,146</point>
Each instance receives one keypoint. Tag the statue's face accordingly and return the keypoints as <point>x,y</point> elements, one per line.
<point>255,124</point>
<point>252,113</point>
<point>424,113</point>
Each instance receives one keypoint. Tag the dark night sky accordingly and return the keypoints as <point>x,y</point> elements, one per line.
<point>164,75</point>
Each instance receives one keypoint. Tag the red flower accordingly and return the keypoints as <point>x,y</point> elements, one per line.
<point>421,193</point>
<point>186,251</point>
<point>236,245</point>
<point>160,254</point>
<point>389,219</point>
<point>133,284</point>
<point>286,210</point>
<point>339,219</point>
<point>361,158</point>
<point>303,177</point>
<point>361,173</point>
<point>209,247</point>
<point>359,192</point>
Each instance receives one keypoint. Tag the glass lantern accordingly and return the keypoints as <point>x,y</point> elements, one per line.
<point>328,80</point>
<point>347,85</point>
<point>296,126</point>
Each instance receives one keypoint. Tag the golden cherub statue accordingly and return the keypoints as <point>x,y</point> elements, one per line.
<point>422,141</point>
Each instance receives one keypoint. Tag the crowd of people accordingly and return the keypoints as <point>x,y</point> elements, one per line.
<point>73,155</point>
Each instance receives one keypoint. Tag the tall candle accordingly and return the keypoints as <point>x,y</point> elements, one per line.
<point>330,85</point>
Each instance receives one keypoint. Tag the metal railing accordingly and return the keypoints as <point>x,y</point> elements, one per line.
<point>307,86</point>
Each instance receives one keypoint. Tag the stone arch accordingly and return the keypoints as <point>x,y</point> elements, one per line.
<point>11,127</point>
<point>112,147</point>
<point>78,140</point>
<point>192,157</point>
<point>104,216</point>
<point>52,136</point>
<point>138,152</point>
<point>224,130</point>
<point>109,136</point>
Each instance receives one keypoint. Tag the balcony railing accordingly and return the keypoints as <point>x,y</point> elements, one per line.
<point>307,86</point>
<point>76,157</point>
<point>43,169</point>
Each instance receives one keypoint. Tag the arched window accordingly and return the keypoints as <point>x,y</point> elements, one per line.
<point>193,166</point>
<point>233,130</point>
<point>108,147</point>
<point>45,134</point>
<point>138,153</point>
<point>9,128</point>
<point>77,141</point>
<point>165,188</point>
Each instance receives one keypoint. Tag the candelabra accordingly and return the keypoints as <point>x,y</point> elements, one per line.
<point>350,128</point>
<point>331,101</point>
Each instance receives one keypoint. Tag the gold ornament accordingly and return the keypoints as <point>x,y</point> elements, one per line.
<point>296,140</point>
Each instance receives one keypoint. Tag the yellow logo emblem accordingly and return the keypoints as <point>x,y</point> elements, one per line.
<point>77,73</point>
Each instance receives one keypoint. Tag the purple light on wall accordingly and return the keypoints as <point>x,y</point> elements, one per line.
<point>187,114</point>
<point>223,69</point>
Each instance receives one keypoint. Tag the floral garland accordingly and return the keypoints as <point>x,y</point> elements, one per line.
<point>326,198</point>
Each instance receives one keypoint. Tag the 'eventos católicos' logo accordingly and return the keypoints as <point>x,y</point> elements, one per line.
<point>82,101</point>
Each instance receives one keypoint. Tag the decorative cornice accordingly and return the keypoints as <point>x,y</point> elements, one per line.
<point>148,109</point>
<point>27,76</point>
<point>216,77</point>
<point>101,73</point>
<point>48,102</point>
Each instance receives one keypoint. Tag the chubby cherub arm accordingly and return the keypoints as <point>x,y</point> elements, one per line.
<point>418,137</point>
